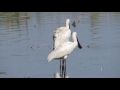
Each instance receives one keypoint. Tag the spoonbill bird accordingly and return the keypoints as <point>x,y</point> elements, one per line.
<point>61,34</point>
<point>63,50</point>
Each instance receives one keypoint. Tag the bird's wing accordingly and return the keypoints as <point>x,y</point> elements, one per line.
<point>63,50</point>
<point>61,36</point>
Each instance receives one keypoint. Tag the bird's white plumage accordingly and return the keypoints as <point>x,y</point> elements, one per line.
<point>64,49</point>
<point>61,35</point>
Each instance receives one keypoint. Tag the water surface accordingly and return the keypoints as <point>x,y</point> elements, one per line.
<point>26,41</point>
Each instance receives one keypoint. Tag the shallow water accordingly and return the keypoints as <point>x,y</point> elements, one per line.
<point>25,43</point>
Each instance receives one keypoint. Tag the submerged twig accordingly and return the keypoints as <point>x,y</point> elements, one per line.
<point>43,45</point>
<point>75,22</point>
<point>2,72</point>
<point>38,46</point>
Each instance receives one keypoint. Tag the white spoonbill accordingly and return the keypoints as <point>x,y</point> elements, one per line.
<point>61,34</point>
<point>64,49</point>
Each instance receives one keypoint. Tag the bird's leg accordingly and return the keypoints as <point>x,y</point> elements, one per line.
<point>65,68</point>
<point>60,67</point>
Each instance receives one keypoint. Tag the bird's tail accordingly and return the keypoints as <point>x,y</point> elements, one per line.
<point>51,56</point>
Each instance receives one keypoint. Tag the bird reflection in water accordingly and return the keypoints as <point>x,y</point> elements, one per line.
<point>63,72</point>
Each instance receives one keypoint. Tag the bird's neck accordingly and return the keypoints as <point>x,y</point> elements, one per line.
<point>74,40</point>
<point>67,25</point>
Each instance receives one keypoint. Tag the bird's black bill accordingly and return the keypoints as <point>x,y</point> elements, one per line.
<point>69,26</point>
<point>79,44</point>
<point>53,42</point>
